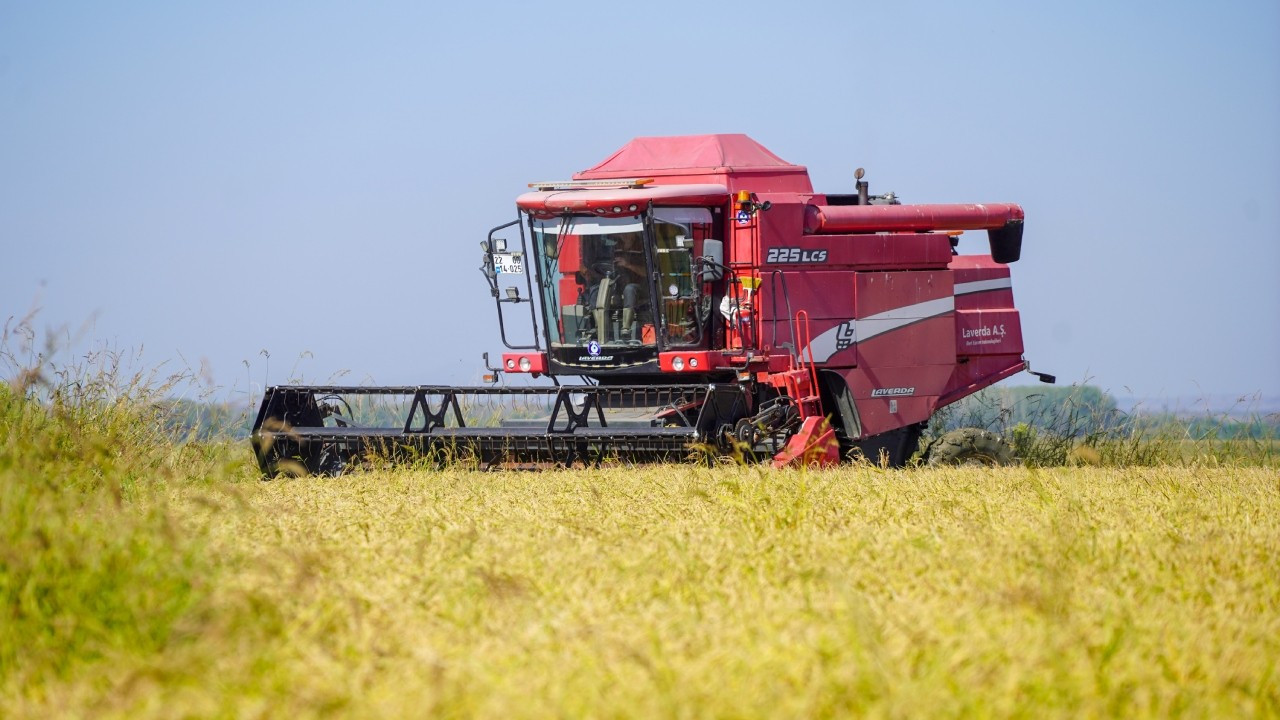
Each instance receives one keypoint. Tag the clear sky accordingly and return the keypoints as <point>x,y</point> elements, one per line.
<point>313,179</point>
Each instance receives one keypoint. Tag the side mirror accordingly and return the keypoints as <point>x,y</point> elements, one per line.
<point>713,260</point>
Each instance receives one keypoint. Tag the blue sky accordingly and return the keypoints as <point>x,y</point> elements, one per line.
<point>313,180</point>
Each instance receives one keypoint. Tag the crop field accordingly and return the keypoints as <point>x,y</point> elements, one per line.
<point>144,578</point>
<point>147,576</point>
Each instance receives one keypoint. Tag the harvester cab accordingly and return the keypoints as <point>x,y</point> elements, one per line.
<point>614,287</point>
<point>692,294</point>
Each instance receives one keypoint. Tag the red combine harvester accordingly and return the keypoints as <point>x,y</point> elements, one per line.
<point>707,299</point>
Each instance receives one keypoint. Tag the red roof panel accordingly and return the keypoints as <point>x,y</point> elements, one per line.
<point>733,159</point>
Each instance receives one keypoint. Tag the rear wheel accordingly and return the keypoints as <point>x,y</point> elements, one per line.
<point>970,446</point>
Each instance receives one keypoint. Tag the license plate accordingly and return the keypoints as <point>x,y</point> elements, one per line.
<point>508,263</point>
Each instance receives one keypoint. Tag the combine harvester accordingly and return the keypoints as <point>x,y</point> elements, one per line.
<point>703,298</point>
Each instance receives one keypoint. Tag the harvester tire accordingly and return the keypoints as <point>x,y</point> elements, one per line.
<point>970,446</point>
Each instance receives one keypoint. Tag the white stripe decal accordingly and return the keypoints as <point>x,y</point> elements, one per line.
<point>983,285</point>
<point>851,331</point>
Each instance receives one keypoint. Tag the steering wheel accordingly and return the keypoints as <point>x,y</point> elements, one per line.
<point>603,268</point>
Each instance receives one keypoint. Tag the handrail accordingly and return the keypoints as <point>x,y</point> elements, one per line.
<point>487,269</point>
<point>808,347</point>
<point>773,305</point>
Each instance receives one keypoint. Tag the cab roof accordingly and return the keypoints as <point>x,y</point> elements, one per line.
<point>733,160</point>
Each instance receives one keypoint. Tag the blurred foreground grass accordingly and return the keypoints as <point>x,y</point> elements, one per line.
<point>145,577</point>
<point>139,578</point>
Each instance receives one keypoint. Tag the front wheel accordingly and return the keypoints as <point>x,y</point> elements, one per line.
<point>970,446</point>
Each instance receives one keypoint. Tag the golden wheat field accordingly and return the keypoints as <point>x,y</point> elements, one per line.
<point>671,591</point>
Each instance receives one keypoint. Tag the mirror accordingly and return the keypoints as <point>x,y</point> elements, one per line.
<point>713,257</point>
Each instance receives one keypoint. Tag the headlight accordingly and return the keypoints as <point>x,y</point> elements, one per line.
<point>511,364</point>
<point>525,364</point>
<point>693,363</point>
<point>677,363</point>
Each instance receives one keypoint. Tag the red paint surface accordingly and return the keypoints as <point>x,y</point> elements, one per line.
<point>876,218</point>
<point>537,362</point>
<point>886,270</point>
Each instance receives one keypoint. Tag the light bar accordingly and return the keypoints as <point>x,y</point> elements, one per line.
<point>577,184</point>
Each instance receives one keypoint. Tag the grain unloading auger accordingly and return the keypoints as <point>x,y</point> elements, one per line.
<point>704,300</point>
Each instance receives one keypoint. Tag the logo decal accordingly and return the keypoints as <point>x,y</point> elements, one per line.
<point>984,331</point>
<point>743,217</point>
<point>778,255</point>
<point>893,392</point>
<point>593,348</point>
<point>846,334</point>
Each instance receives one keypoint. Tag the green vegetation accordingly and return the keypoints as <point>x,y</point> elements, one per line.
<point>145,577</point>
<point>186,419</point>
<point>1081,424</point>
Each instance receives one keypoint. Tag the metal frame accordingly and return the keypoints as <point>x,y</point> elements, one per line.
<point>493,286</point>
<point>704,326</point>
<point>290,425</point>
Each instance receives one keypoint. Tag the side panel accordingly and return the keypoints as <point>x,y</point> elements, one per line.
<point>988,332</point>
<point>897,352</point>
<point>988,327</point>
<point>986,321</point>
<point>905,349</point>
<point>826,296</point>
<point>884,305</point>
<point>981,283</point>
